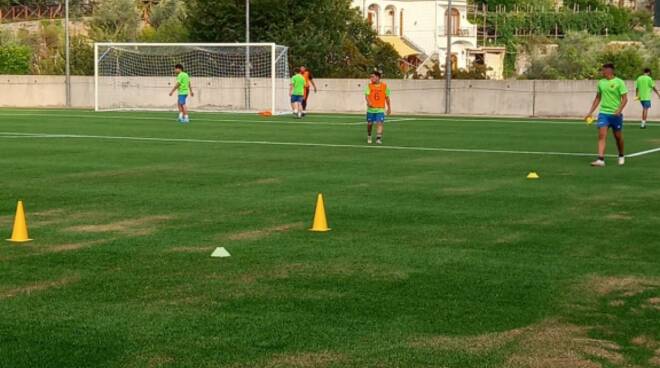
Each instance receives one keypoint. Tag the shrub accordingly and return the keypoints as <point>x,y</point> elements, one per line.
<point>15,59</point>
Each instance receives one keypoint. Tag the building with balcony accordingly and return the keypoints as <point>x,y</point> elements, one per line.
<point>422,25</point>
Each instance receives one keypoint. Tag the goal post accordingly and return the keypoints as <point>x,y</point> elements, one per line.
<point>225,77</point>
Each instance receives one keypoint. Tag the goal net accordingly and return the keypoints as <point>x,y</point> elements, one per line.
<point>224,77</point>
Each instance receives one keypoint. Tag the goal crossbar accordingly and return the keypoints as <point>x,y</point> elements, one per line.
<point>238,77</point>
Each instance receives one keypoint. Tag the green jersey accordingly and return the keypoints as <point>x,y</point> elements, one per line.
<point>644,86</point>
<point>298,82</point>
<point>183,79</point>
<point>610,91</point>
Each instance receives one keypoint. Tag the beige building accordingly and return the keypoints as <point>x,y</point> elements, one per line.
<point>417,29</point>
<point>490,57</point>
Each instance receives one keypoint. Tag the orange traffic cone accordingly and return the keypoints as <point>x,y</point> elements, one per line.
<point>320,221</point>
<point>20,232</point>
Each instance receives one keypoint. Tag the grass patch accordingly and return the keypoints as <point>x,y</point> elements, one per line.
<point>441,254</point>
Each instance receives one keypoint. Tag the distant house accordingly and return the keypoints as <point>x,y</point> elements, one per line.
<point>417,29</point>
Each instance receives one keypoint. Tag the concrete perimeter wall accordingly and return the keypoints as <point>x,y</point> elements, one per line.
<point>488,98</point>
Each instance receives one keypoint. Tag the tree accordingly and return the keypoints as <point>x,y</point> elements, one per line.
<point>512,4</point>
<point>576,58</point>
<point>580,56</point>
<point>327,35</point>
<point>167,23</point>
<point>585,4</point>
<point>115,21</point>
<point>82,56</point>
<point>15,59</point>
<point>165,11</point>
<point>474,71</point>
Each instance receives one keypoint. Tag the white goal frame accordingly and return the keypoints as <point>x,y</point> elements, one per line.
<point>274,60</point>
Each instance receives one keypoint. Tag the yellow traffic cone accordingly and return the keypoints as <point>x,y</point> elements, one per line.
<point>320,220</point>
<point>533,175</point>
<point>20,232</point>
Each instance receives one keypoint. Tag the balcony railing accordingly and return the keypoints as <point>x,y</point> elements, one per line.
<point>460,32</point>
<point>388,31</point>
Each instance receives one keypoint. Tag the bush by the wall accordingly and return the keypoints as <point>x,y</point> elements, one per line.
<point>15,59</point>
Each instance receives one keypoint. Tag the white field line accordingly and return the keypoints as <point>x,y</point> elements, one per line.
<point>645,152</point>
<point>473,120</point>
<point>395,119</point>
<point>101,116</point>
<point>299,144</point>
<point>169,113</point>
<point>297,122</point>
<point>118,115</point>
<point>26,136</point>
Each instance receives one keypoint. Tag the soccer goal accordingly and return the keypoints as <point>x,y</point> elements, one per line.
<point>225,77</point>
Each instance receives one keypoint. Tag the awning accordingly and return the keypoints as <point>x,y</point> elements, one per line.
<point>401,46</point>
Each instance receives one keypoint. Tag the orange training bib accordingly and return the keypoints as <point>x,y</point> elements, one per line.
<point>377,95</point>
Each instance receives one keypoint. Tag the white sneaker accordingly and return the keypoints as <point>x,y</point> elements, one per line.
<point>643,126</point>
<point>300,114</point>
<point>622,160</point>
<point>598,163</point>
<point>379,141</point>
<point>369,140</point>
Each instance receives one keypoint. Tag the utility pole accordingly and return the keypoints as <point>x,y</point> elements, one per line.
<point>247,57</point>
<point>448,61</point>
<point>67,54</point>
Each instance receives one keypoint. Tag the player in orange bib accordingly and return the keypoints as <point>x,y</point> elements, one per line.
<point>309,82</point>
<point>377,95</point>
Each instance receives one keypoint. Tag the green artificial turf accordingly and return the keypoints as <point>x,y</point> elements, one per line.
<point>441,254</point>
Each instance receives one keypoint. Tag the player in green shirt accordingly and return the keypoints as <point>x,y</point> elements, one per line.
<point>184,87</point>
<point>612,98</point>
<point>644,85</point>
<point>297,93</point>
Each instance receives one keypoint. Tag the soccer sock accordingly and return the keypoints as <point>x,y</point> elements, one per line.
<point>602,158</point>
<point>180,115</point>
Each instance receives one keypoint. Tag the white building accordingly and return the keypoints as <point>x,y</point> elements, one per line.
<point>422,25</point>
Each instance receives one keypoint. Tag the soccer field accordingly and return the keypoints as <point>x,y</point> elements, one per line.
<point>441,254</point>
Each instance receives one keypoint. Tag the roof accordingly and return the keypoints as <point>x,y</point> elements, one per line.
<point>402,47</point>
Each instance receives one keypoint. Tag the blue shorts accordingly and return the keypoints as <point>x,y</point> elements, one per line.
<point>610,121</point>
<point>182,99</point>
<point>646,104</point>
<point>297,99</point>
<point>376,117</point>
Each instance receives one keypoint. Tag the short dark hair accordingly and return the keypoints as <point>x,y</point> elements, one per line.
<point>608,66</point>
<point>377,73</point>
<point>178,66</point>
<point>647,70</point>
